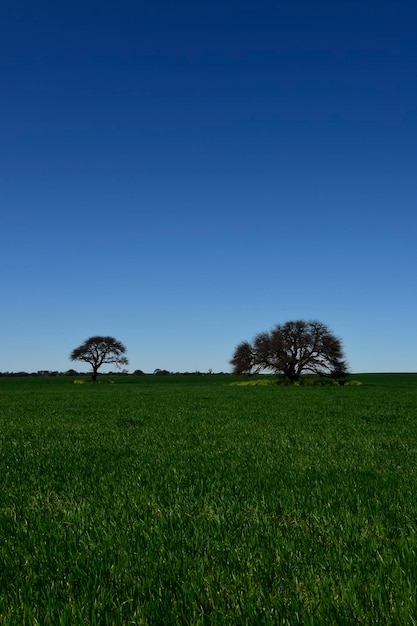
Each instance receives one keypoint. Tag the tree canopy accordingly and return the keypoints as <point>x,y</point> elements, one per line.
<point>292,349</point>
<point>98,351</point>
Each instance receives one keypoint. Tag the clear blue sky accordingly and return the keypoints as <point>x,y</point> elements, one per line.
<point>183,175</point>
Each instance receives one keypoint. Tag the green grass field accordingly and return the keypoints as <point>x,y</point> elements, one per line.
<point>187,500</point>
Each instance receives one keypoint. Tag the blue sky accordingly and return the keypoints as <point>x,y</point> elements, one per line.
<point>183,175</point>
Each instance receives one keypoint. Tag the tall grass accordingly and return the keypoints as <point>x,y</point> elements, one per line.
<point>190,501</point>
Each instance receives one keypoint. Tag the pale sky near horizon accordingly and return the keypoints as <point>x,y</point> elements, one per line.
<point>183,175</point>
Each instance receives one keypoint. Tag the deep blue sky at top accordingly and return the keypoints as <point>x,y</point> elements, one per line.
<point>183,175</point>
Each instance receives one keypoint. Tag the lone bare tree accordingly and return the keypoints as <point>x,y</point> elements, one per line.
<point>292,349</point>
<point>98,351</point>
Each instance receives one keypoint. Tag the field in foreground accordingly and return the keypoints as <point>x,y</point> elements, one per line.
<point>185,500</point>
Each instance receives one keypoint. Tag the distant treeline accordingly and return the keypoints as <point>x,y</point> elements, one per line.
<point>71,372</point>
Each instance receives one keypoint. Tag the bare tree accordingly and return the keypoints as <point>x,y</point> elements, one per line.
<point>98,351</point>
<point>293,349</point>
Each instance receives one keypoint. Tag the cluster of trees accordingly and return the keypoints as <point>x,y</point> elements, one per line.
<point>292,349</point>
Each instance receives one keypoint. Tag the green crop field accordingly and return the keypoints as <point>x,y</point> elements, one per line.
<point>188,500</point>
